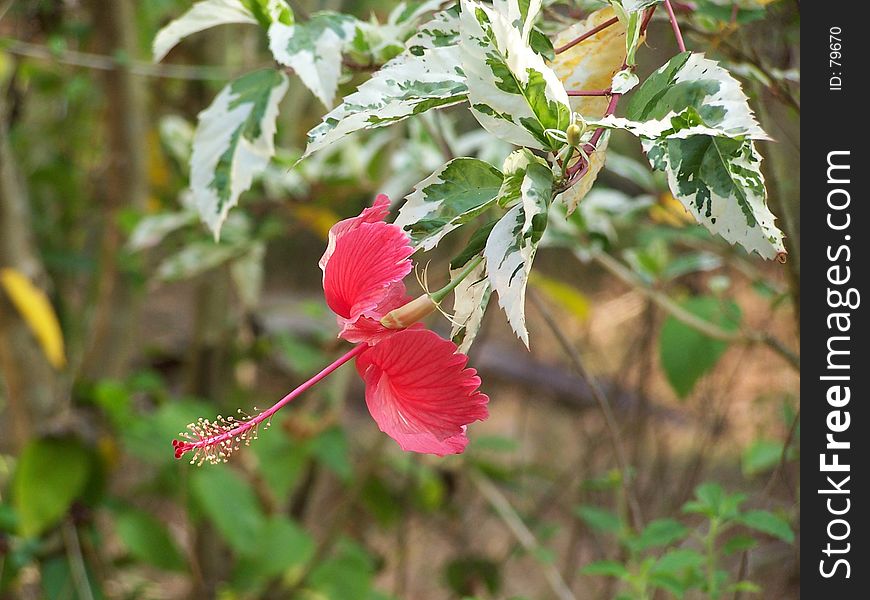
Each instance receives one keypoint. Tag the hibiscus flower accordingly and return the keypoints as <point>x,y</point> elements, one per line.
<point>418,388</point>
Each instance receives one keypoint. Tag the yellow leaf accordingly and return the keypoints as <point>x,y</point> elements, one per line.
<point>567,296</point>
<point>317,219</point>
<point>669,211</point>
<point>37,312</point>
<point>591,64</point>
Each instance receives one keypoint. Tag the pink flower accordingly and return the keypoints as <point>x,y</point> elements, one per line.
<point>418,388</point>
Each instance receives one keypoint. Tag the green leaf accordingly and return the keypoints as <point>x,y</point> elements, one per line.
<point>513,242</point>
<point>769,523</point>
<point>606,568</point>
<point>600,519</point>
<point>234,142</point>
<point>739,543</point>
<point>719,181</point>
<point>347,574</point>
<point>678,562</point>
<point>426,75</point>
<point>453,195</point>
<point>687,354</point>
<point>59,582</point>
<point>147,540</point>
<point>230,504</point>
<point>282,546</point>
<point>331,449</point>
<point>50,474</point>
<point>513,93</point>
<point>660,532</point>
<point>761,456</point>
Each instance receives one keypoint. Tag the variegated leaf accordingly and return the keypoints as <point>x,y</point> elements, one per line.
<point>234,142</point>
<point>574,194</point>
<point>515,167</point>
<point>211,13</point>
<point>592,64</point>
<point>470,299</point>
<point>630,14</point>
<point>427,75</point>
<point>314,50</point>
<point>521,14</point>
<point>624,81</point>
<point>513,93</point>
<point>690,95</point>
<point>454,194</point>
<point>719,180</point>
<point>512,244</point>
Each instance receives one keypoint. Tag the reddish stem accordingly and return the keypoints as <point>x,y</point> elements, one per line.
<point>181,447</point>
<point>675,26</point>
<point>606,92</point>
<point>586,35</point>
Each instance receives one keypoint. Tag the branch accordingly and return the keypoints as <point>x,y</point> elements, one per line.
<point>667,304</point>
<point>603,404</point>
<point>675,26</point>
<point>586,35</point>
<point>103,62</point>
<point>514,521</point>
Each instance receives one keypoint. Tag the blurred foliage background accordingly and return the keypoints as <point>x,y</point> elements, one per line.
<point>121,321</point>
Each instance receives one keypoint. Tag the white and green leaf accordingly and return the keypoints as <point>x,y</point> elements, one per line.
<point>719,181</point>
<point>624,81</point>
<point>425,76</point>
<point>201,16</point>
<point>234,142</point>
<point>513,93</point>
<point>690,95</point>
<point>453,195</point>
<point>470,299</point>
<point>630,13</point>
<point>211,13</point>
<point>314,50</point>
<point>521,14</point>
<point>512,245</point>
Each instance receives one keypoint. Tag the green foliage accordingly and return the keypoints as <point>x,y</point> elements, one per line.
<point>686,353</point>
<point>51,474</point>
<point>677,557</point>
<point>147,540</point>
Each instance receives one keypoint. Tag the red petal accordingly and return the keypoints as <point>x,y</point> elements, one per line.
<point>377,212</point>
<point>420,393</point>
<point>367,328</point>
<point>366,262</point>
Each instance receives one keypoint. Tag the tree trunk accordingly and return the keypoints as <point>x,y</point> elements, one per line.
<point>115,322</point>
<point>29,380</point>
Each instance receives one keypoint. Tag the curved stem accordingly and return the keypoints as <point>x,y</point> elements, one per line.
<point>606,92</point>
<point>586,35</point>
<point>675,26</point>
<point>222,436</point>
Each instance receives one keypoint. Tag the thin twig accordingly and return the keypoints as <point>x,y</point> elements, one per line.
<point>515,523</point>
<point>603,403</point>
<point>675,26</point>
<point>586,35</point>
<point>76,561</point>
<point>102,62</point>
<point>606,92</point>
<point>709,329</point>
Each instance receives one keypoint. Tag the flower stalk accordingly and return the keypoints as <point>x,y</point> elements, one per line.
<point>214,441</point>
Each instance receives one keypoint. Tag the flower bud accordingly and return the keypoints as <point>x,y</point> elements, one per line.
<point>411,313</point>
<point>573,134</point>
